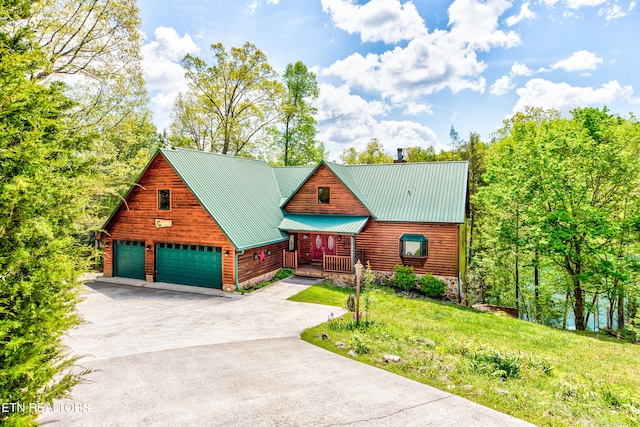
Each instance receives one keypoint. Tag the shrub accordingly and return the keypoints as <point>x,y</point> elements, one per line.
<point>283,273</point>
<point>404,277</point>
<point>432,287</point>
<point>359,345</point>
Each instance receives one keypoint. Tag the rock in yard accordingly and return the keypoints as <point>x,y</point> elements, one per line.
<point>339,282</point>
<point>340,345</point>
<point>391,358</point>
<point>353,353</point>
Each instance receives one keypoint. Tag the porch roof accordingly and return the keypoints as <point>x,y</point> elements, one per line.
<point>338,224</point>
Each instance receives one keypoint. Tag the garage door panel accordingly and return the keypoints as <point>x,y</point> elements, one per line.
<point>129,259</point>
<point>189,265</point>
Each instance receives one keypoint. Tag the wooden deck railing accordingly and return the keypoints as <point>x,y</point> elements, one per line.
<point>337,264</point>
<point>290,259</point>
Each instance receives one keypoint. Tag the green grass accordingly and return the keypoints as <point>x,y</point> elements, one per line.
<point>539,374</point>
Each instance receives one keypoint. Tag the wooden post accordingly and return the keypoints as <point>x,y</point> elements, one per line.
<point>358,268</point>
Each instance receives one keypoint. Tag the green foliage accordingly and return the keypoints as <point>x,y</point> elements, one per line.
<point>230,103</point>
<point>432,287</point>
<point>404,277</point>
<point>283,273</point>
<point>43,191</point>
<point>359,345</point>
<point>295,136</point>
<point>350,325</point>
<point>562,194</point>
<point>539,374</point>
<point>373,153</point>
<point>493,362</point>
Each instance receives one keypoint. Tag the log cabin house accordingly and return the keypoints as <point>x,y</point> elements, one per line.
<point>226,222</point>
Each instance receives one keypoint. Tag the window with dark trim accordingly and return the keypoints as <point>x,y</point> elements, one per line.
<point>414,246</point>
<point>324,195</point>
<point>164,200</point>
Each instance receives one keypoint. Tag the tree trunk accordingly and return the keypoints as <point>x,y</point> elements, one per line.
<point>578,308</point>
<point>286,143</point>
<point>566,309</point>
<point>620,308</point>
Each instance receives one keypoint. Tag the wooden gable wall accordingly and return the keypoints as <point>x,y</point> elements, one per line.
<point>191,223</point>
<point>342,200</point>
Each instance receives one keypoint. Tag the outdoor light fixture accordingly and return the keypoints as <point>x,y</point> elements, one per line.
<point>226,253</point>
<point>148,247</point>
<point>255,256</point>
<point>268,252</point>
<point>107,243</point>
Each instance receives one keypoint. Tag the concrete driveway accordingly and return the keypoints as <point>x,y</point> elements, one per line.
<point>170,358</point>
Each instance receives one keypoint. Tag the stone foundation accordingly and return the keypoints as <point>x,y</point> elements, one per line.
<point>256,280</point>
<point>451,287</point>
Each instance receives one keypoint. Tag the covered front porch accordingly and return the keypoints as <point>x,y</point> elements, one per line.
<point>322,244</point>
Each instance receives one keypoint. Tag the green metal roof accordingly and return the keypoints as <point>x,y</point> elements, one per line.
<point>290,178</point>
<point>420,192</point>
<point>244,195</point>
<point>339,224</point>
<point>240,194</point>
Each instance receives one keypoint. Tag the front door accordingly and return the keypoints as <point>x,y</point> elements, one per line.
<point>323,244</point>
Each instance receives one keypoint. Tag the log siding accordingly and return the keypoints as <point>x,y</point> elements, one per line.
<point>381,243</point>
<point>191,223</point>
<point>249,267</point>
<point>342,201</point>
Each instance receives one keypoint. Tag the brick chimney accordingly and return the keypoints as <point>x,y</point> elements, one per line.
<point>400,158</point>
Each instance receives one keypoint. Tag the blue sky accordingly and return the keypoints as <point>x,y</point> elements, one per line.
<point>405,72</point>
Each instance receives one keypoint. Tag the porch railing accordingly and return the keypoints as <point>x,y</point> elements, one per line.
<point>290,259</point>
<point>337,264</point>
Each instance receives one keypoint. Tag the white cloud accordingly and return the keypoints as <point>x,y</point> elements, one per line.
<point>253,5</point>
<point>525,13</point>
<point>505,83</point>
<point>162,71</point>
<point>614,11</point>
<point>417,108</point>
<point>519,69</point>
<point>564,97</point>
<point>577,4</point>
<point>431,61</point>
<point>502,85</point>
<point>348,120</point>
<point>581,60</point>
<point>378,20</point>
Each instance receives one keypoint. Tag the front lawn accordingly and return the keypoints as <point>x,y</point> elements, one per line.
<point>539,374</point>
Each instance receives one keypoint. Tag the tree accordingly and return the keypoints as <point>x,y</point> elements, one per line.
<point>373,153</point>
<point>42,196</point>
<point>239,92</point>
<point>88,37</point>
<point>296,138</point>
<point>98,43</point>
<point>562,184</point>
<point>418,154</point>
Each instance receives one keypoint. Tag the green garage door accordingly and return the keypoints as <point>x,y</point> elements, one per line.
<point>129,259</point>
<point>189,265</point>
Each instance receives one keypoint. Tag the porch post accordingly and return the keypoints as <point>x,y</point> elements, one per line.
<point>353,252</point>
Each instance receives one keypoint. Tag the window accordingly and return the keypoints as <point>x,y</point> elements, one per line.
<point>413,245</point>
<point>164,200</point>
<point>324,195</point>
